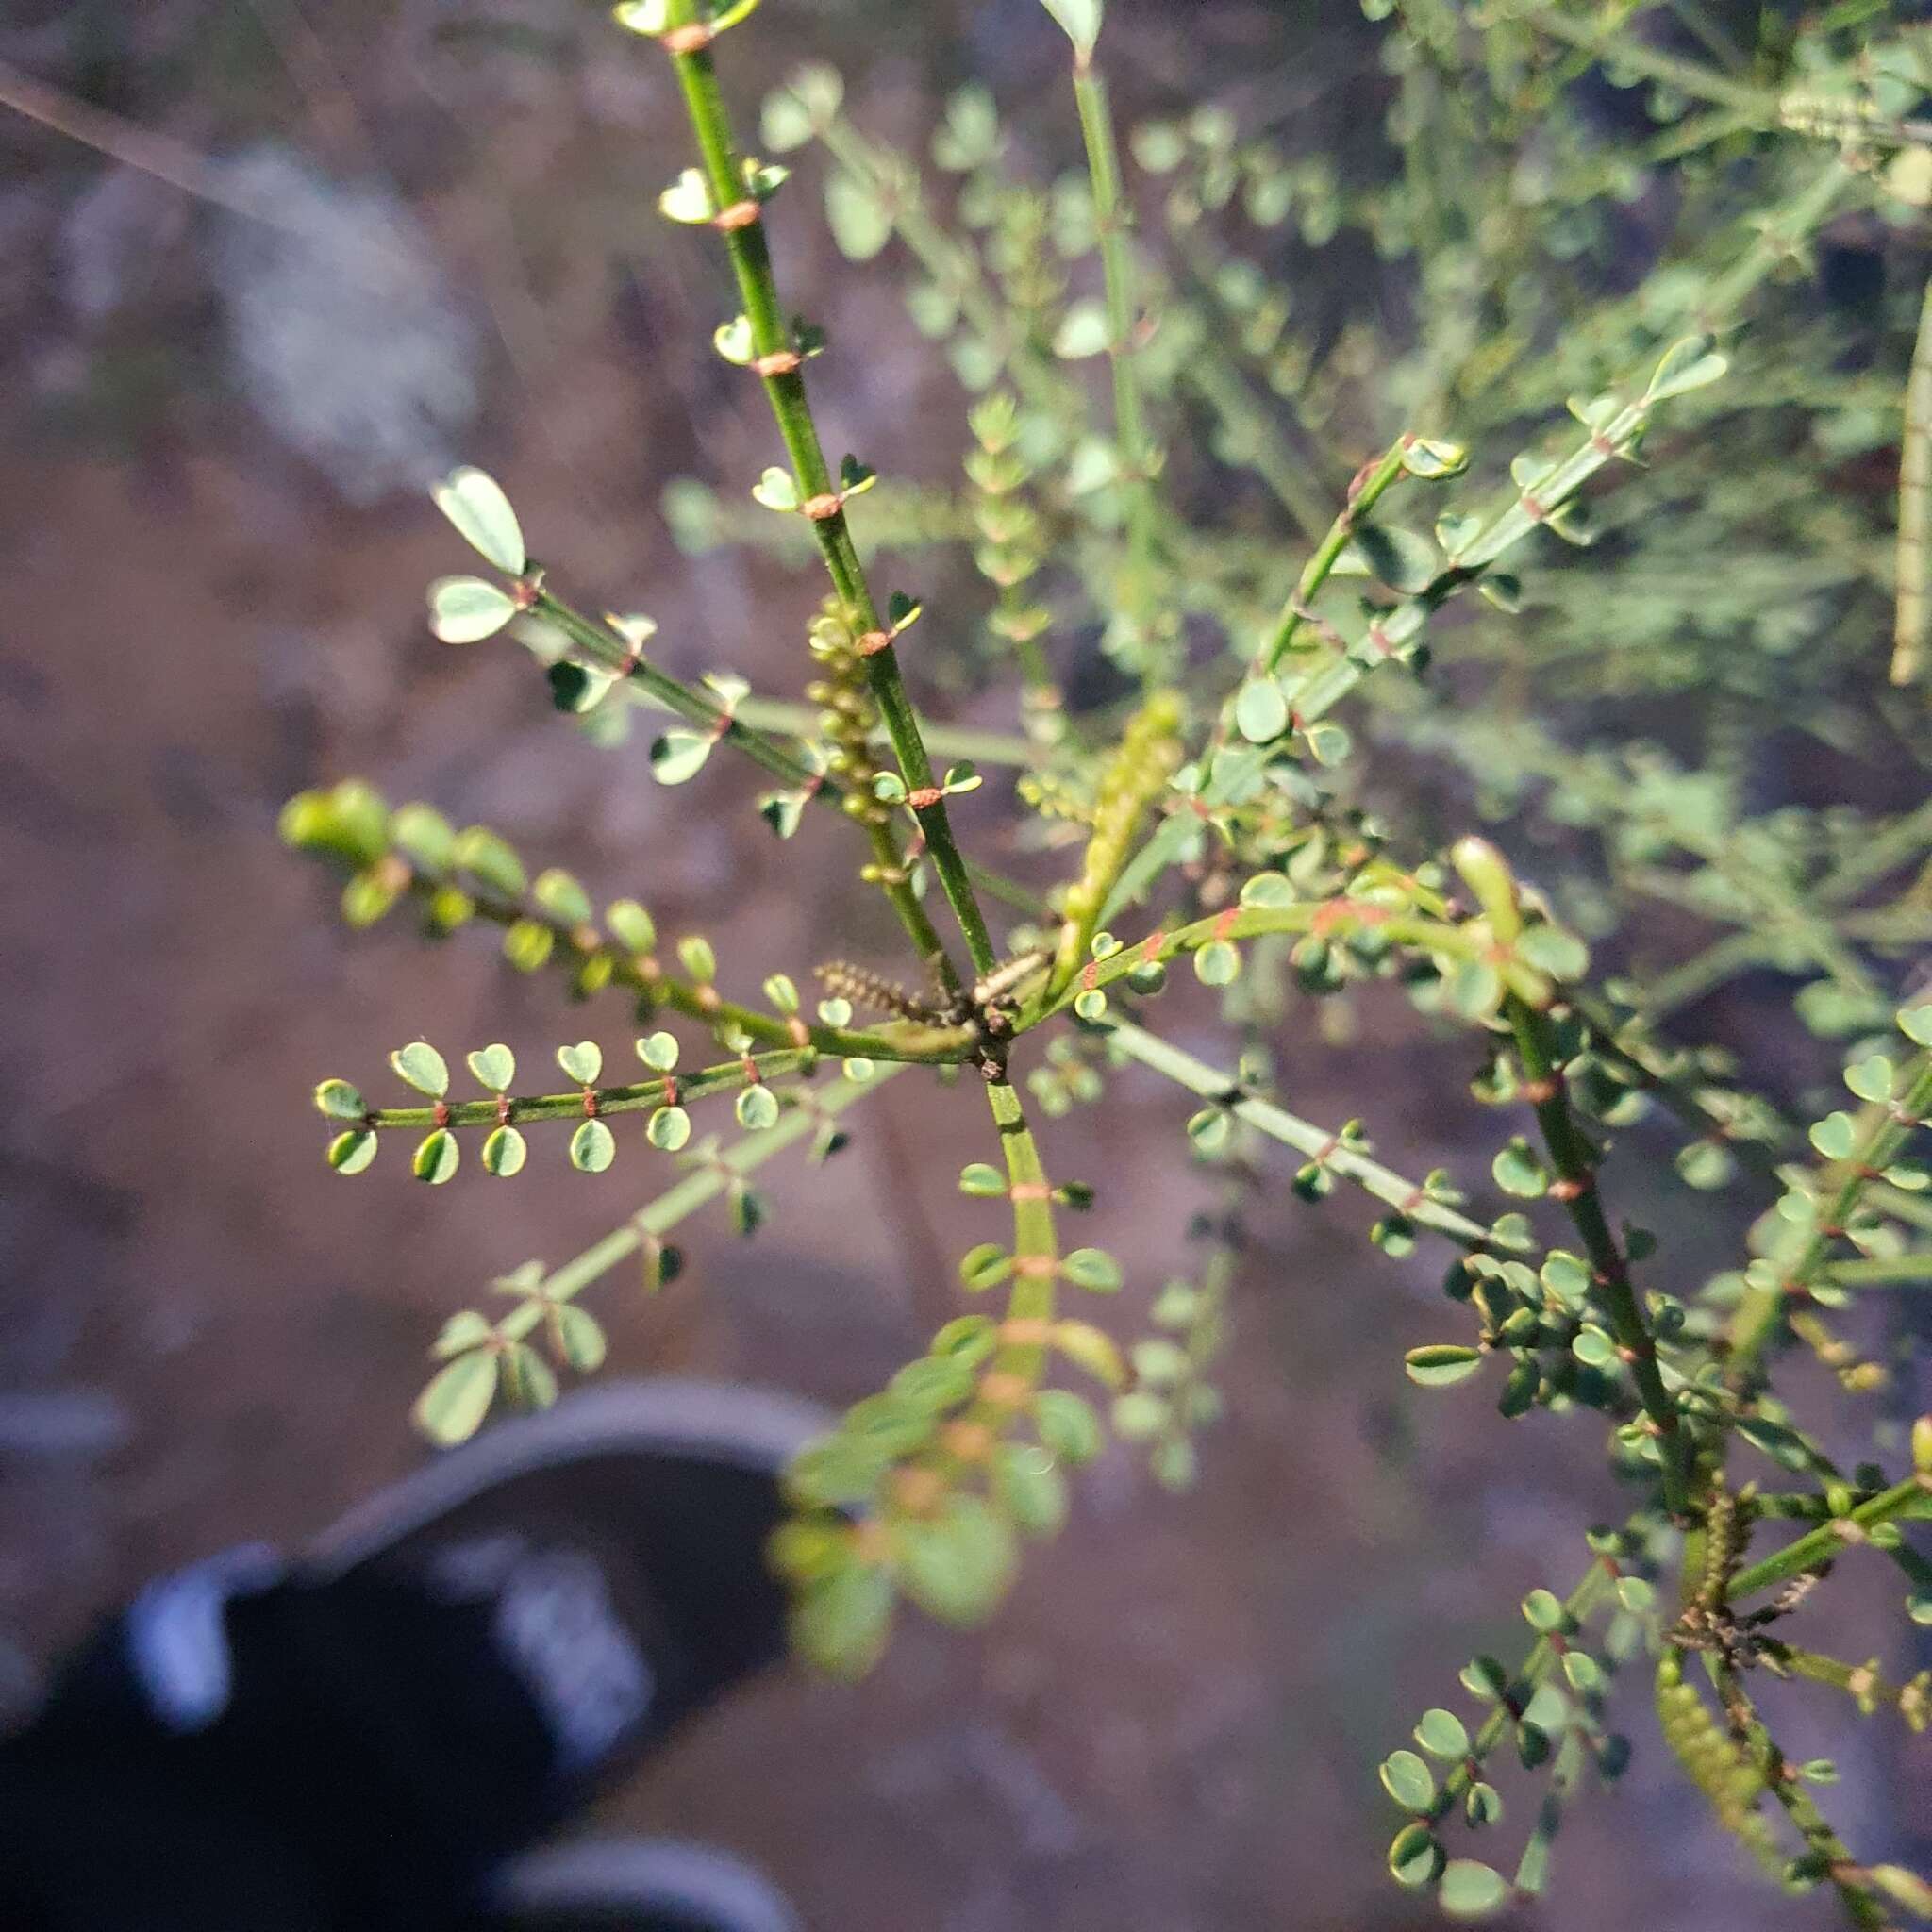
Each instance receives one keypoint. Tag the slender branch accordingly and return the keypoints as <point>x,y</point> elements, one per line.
<point>1112,216</point>
<point>1914,620</point>
<point>1820,1545</point>
<point>784,384</point>
<point>1575,1162</point>
<point>1409,1199</point>
<point>1882,1270</point>
<point>705,1183</point>
<point>1364,493</point>
<point>586,1103</point>
<point>1879,1132</point>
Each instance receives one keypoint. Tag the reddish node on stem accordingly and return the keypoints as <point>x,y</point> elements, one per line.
<point>442,1114</point>
<point>691,38</point>
<point>873,643</point>
<point>1570,1187</point>
<point>798,1032</point>
<point>924,798</point>
<point>1024,1331</point>
<point>1036,1267</point>
<point>1030,1191</point>
<point>670,1090</point>
<point>1533,508</point>
<point>780,362</point>
<point>589,1103</point>
<point>1002,1389</point>
<point>740,214</point>
<point>502,1109</point>
<point>1089,976</point>
<point>1224,923</point>
<point>821,509</point>
<point>1540,1093</point>
<point>1151,945</point>
<point>749,1067</point>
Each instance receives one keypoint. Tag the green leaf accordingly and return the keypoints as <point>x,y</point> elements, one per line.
<point>696,955</point>
<point>648,17</point>
<point>859,219</point>
<point>1470,1890</point>
<point>1068,1424</point>
<point>1031,1486</point>
<point>337,1100</point>
<point>1415,1857</point>
<point>1686,365</point>
<point>423,1067</point>
<point>1705,1164</point>
<point>777,490</point>
<point>476,503</point>
<point>1092,1349</point>
<point>351,1151</point>
<point>1432,459</point>
<point>687,199</point>
<point>1441,1735</point>
<point>1440,1364</point>
<point>1871,1078</point>
<point>503,1152</point>
<point>659,1051</point>
<point>527,1380</point>
<point>1392,555</point>
<point>490,861</point>
<point>631,926</point>
<point>1083,332</point>
<point>1260,714</point>
<point>437,1158</point>
<point>1483,1806</point>
<point>1092,1269</point>
<point>581,1338</point>
<point>985,1266</point>
<point>1518,1171</point>
<point>465,610</point>
<point>527,944</point>
<point>593,1147</point>
<point>1543,1610</point>
<point>1080,20</point>
<point>493,1067</point>
<point>957,1566</point>
<point>840,1622</point>
<point>1834,1136</point>
<point>1593,1347</point>
<point>451,1409</point>
<point>1408,1780</point>
<point>562,897</point>
<point>582,1062</point>
<point>1217,963</point>
<point>1915,1023</point>
<point>1455,531</point>
<point>986,1183</point>
<point>679,756</point>
<point>757,1108</point>
<point>668,1129</point>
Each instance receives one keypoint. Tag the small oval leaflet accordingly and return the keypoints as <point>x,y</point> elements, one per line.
<point>465,610</point>
<point>1092,1269</point>
<point>593,1147</point>
<point>503,1152</point>
<point>494,1067</point>
<point>668,1129</point>
<point>437,1157</point>
<point>423,1067</point>
<point>757,1108</point>
<point>1408,1780</point>
<point>476,503</point>
<point>452,1407</point>
<point>352,1150</point>
<point>582,1062</point>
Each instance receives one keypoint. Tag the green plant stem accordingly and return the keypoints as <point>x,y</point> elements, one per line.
<point>1335,917</point>
<point>1540,1659</point>
<point>1686,77</point>
<point>705,1183</point>
<point>1363,496</point>
<point>1112,217</point>
<point>608,652</point>
<point>1575,1159</point>
<point>1316,1143</point>
<point>641,974</point>
<point>1883,1271</point>
<point>757,287</point>
<point>1828,1540</point>
<point>1879,1132</point>
<point>1914,615</point>
<point>1032,1296</point>
<point>585,1103</point>
<point>1821,1841</point>
<point>1860,1682</point>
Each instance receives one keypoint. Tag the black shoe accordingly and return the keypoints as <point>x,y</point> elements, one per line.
<point>636,1885</point>
<point>460,1664</point>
